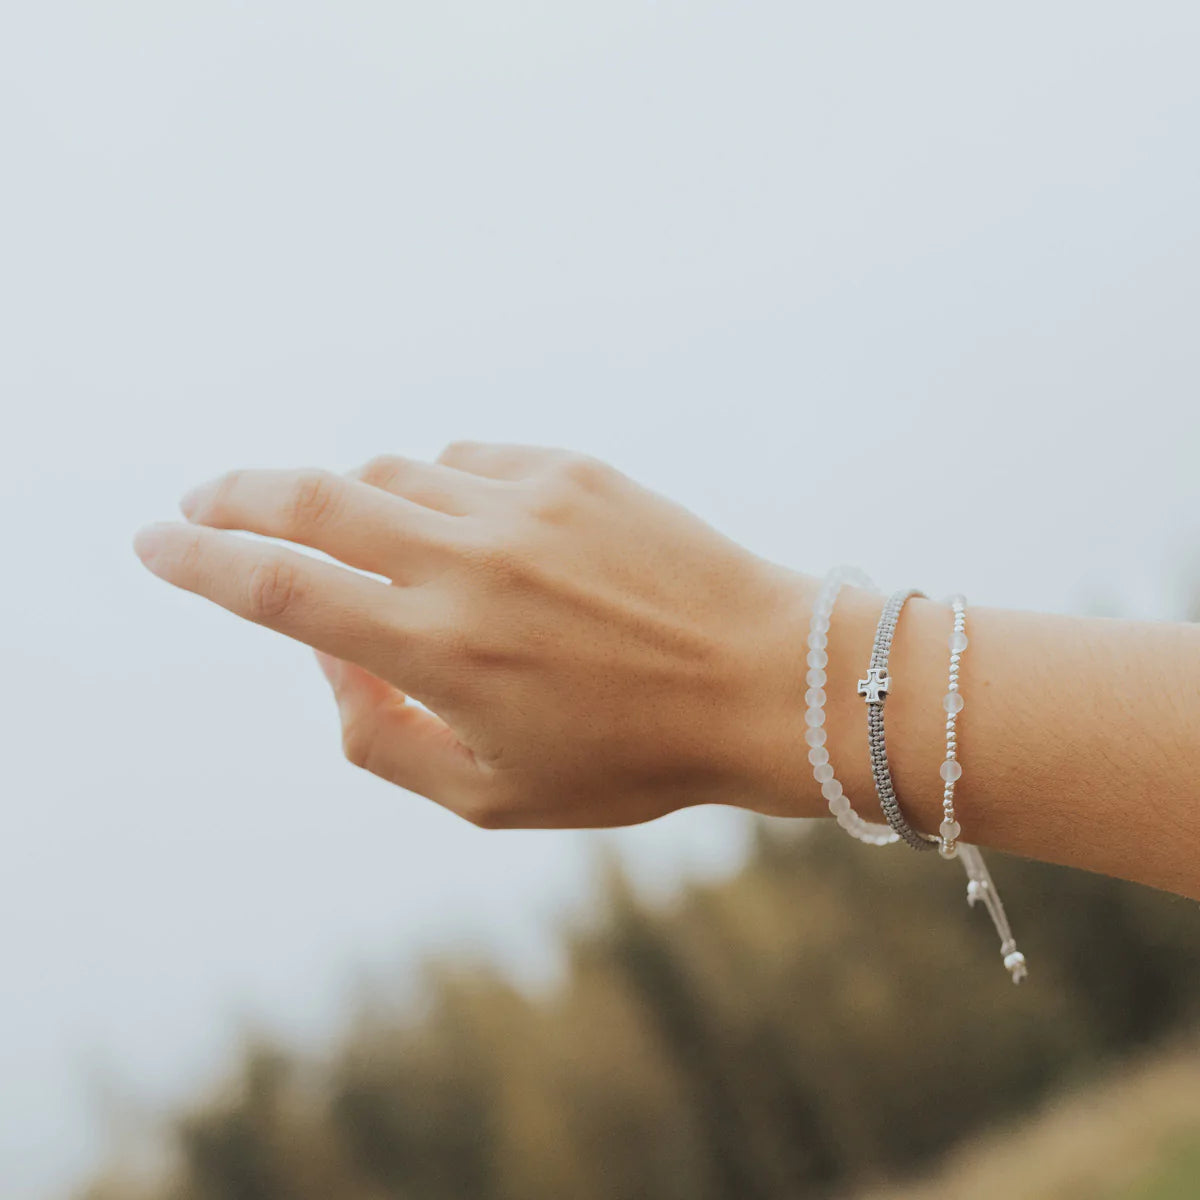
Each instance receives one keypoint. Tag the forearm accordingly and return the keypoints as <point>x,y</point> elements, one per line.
<point>1078,738</point>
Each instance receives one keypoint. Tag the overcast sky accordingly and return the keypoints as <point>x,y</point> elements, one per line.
<point>909,285</point>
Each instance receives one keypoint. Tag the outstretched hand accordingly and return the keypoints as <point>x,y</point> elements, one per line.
<point>584,651</point>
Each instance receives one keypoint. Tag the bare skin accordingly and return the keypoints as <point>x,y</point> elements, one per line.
<point>587,653</point>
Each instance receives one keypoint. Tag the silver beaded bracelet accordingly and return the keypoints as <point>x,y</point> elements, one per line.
<point>952,702</point>
<point>980,885</point>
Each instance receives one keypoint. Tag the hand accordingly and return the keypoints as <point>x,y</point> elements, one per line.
<point>585,652</point>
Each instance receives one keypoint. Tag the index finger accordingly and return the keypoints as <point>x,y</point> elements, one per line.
<point>344,613</point>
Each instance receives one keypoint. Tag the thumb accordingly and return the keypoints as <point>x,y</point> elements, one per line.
<point>403,743</point>
<point>350,681</point>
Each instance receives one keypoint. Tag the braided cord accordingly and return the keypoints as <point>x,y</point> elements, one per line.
<point>875,696</point>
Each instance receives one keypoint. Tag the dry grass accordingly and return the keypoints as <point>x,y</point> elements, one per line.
<point>1134,1137</point>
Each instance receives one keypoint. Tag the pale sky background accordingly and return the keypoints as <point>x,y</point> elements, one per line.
<point>915,286</point>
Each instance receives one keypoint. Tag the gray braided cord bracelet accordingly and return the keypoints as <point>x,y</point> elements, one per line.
<point>874,690</point>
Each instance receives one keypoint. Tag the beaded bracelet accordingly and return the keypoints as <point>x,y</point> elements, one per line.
<point>870,832</point>
<point>952,702</point>
<point>980,885</point>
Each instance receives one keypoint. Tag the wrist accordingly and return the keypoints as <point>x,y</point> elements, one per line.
<point>780,777</point>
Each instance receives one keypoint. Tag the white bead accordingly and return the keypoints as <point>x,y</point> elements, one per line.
<point>814,697</point>
<point>831,789</point>
<point>958,600</point>
<point>818,755</point>
<point>951,770</point>
<point>947,849</point>
<point>818,659</point>
<point>839,805</point>
<point>815,737</point>
<point>815,716</point>
<point>958,642</point>
<point>823,773</point>
<point>950,830</point>
<point>817,641</point>
<point>815,678</point>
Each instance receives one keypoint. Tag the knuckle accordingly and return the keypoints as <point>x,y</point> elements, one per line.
<point>312,498</point>
<point>582,472</point>
<point>381,470</point>
<point>358,744</point>
<point>496,558</point>
<point>458,451</point>
<point>189,555</point>
<point>489,814</point>
<point>273,590</point>
<point>550,499</point>
<point>463,646</point>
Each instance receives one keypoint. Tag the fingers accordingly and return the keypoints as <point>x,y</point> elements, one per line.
<point>360,525</point>
<point>397,741</point>
<point>496,461</point>
<point>433,485</point>
<point>339,611</point>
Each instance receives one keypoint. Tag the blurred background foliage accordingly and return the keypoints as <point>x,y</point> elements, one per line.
<point>826,1022</point>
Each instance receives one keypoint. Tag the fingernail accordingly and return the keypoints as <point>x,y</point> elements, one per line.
<point>192,501</point>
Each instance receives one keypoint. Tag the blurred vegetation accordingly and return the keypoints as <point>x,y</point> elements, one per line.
<point>1134,1137</point>
<point>829,1019</point>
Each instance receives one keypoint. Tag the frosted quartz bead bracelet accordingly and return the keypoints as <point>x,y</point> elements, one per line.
<point>871,832</point>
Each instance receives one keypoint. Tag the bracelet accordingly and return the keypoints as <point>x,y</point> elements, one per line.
<point>874,689</point>
<point>980,885</point>
<point>870,832</point>
<point>952,702</point>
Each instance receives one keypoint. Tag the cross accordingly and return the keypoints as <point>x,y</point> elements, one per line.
<point>875,686</point>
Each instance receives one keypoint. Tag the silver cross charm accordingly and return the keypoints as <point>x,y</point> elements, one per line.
<point>875,687</point>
